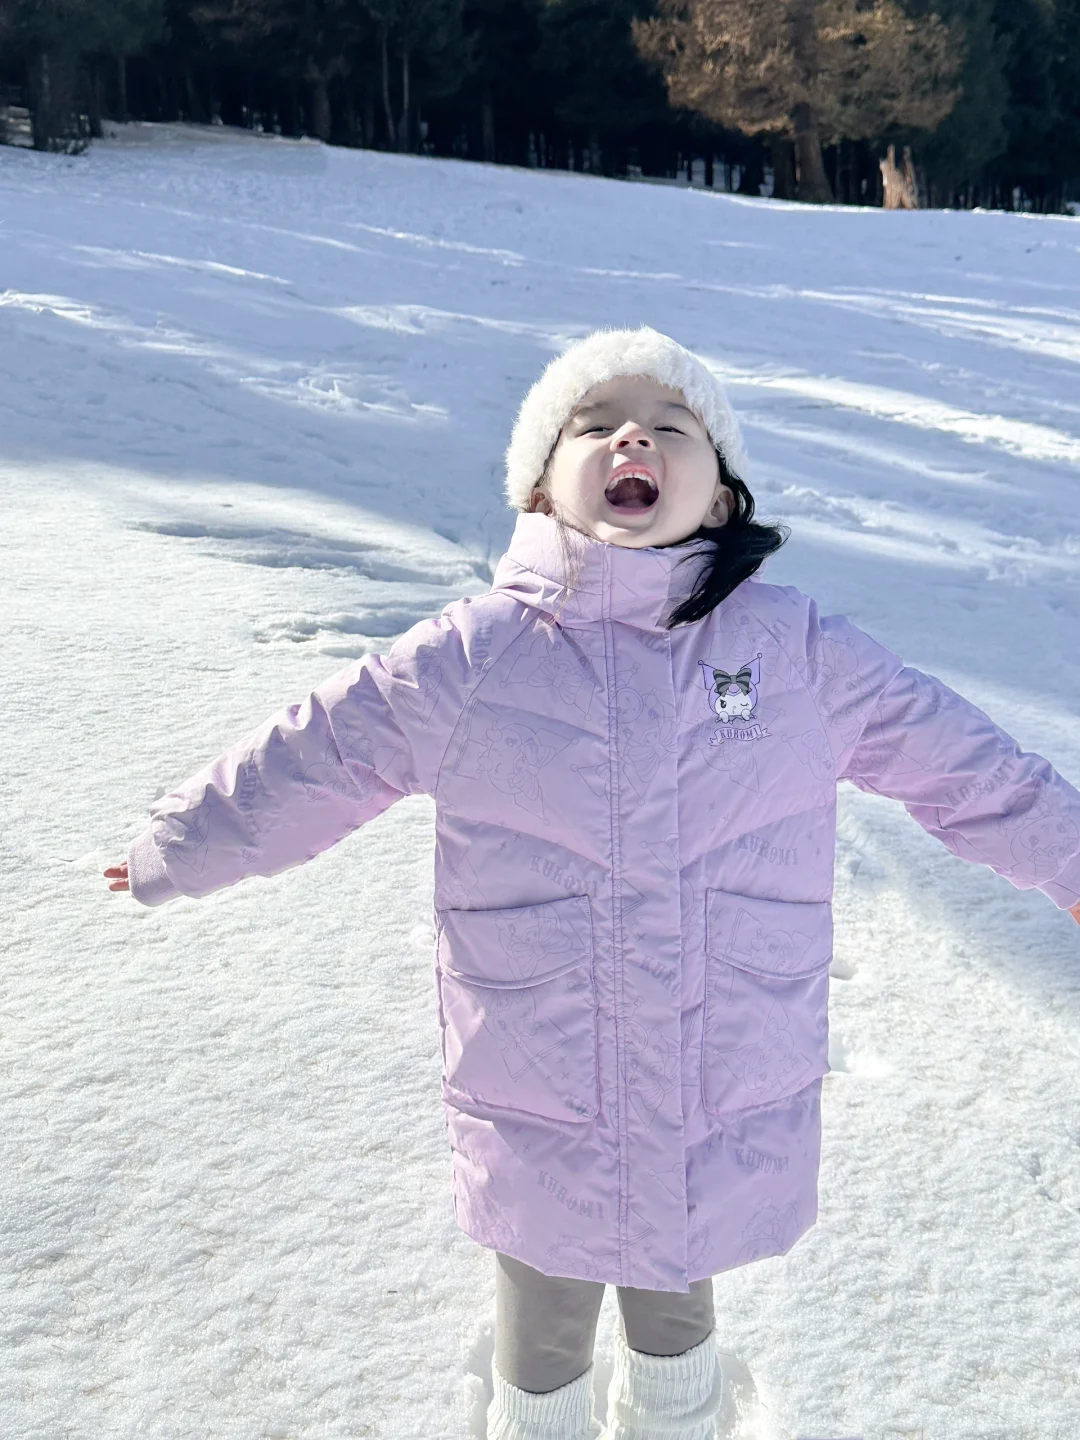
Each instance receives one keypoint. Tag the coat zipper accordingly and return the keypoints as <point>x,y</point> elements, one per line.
<point>617,927</point>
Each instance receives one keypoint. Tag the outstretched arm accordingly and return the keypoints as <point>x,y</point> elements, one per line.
<point>370,734</point>
<point>899,732</point>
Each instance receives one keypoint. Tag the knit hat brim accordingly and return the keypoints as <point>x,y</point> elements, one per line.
<point>600,357</point>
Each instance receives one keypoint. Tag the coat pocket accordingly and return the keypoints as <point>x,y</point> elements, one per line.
<point>765,1029</point>
<point>517,1005</point>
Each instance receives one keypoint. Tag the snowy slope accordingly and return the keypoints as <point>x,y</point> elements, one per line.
<point>253,402</point>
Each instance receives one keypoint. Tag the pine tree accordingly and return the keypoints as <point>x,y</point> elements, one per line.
<point>122,28</point>
<point>62,43</point>
<point>811,71</point>
<point>505,38</point>
<point>424,33</point>
<point>304,40</point>
<point>1065,133</point>
<point>973,134</point>
<point>601,90</point>
<point>1027,26</point>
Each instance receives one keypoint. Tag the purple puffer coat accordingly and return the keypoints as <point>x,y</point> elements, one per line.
<point>635,848</point>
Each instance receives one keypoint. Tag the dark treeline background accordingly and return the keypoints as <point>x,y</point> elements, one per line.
<point>986,92</point>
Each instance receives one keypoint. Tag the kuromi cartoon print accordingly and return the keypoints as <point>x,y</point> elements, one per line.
<point>508,754</point>
<point>535,937</point>
<point>646,733</point>
<point>768,1232</point>
<point>733,697</point>
<point>551,663</point>
<point>524,1037</point>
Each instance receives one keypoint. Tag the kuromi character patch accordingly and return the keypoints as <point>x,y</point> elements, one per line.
<point>733,696</point>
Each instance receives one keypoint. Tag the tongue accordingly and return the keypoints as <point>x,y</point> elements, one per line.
<point>631,493</point>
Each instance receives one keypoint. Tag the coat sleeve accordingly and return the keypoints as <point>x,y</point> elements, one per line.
<point>370,734</point>
<point>898,732</point>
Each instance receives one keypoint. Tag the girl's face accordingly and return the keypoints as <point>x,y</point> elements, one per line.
<point>634,466</point>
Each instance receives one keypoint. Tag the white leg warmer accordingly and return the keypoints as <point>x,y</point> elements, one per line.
<point>563,1414</point>
<point>664,1397</point>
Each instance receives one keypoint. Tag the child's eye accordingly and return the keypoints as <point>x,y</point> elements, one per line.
<point>672,428</point>
<point>592,428</point>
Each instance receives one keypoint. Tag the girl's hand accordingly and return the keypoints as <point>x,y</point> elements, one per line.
<point>121,883</point>
<point>1075,912</point>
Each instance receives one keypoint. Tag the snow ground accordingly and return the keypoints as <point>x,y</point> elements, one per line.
<point>254,398</point>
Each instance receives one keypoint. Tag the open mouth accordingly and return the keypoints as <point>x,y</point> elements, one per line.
<point>632,491</point>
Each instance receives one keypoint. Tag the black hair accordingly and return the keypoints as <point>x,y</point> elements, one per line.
<point>738,549</point>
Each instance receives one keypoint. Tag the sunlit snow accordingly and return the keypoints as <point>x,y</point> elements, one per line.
<point>254,399</point>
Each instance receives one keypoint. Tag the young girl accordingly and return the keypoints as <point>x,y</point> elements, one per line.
<point>634,748</point>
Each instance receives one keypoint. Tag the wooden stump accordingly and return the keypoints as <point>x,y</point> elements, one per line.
<point>901,190</point>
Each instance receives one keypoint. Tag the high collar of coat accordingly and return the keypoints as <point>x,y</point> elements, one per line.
<point>596,581</point>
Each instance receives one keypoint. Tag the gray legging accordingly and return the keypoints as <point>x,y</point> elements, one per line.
<point>545,1326</point>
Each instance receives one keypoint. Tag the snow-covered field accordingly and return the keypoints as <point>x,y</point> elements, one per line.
<point>254,398</point>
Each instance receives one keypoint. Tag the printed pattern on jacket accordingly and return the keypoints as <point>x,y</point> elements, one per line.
<point>635,837</point>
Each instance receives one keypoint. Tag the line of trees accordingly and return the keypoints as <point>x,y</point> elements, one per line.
<point>985,92</point>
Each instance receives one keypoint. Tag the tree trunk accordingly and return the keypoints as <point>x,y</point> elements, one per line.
<point>93,96</point>
<point>812,184</point>
<point>783,163</point>
<point>391,129</point>
<point>290,114</point>
<point>752,177</point>
<point>170,108</point>
<point>55,102</point>
<point>487,128</point>
<point>405,126</point>
<point>829,160</point>
<point>911,182</point>
<point>320,103</point>
<point>121,88</point>
<point>41,117</point>
<point>709,171</point>
<point>196,109</point>
<point>847,183</point>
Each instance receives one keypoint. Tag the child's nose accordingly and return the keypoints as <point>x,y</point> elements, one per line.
<point>630,435</point>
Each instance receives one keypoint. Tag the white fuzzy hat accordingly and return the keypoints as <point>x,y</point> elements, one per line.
<point>592,361</point>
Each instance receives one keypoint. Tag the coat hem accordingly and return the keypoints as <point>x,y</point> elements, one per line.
<point>515,1253</point>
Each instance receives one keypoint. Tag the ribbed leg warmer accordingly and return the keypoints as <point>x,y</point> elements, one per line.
<point>563,1414</point>
<point>664,1397</point>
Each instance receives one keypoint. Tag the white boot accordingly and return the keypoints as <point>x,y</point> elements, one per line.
<point>563,1414</point>
<point>664,1397</point>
